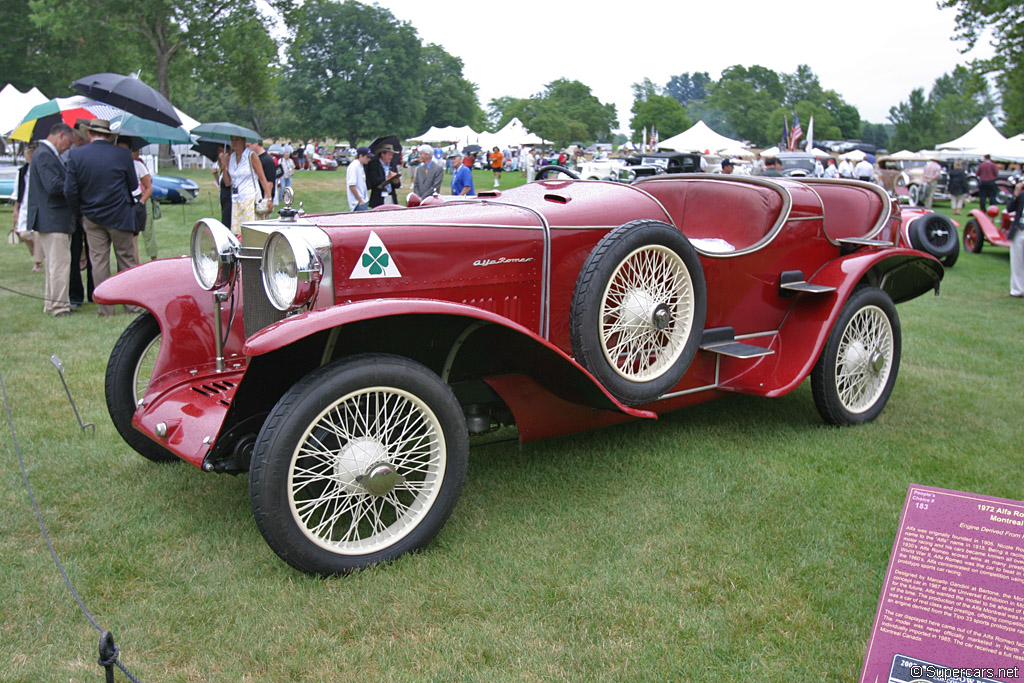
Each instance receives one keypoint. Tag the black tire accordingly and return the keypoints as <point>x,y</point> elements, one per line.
<point>855,374</point>
<point>663,308</point>
<point>555,167</point>
<point>132,356</point>
<point>973,238</point>
<point>330,486</point>
<point>934,234</point>
<point>950,260</point>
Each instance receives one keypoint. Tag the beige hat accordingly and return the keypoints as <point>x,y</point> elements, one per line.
<point>100,126</point>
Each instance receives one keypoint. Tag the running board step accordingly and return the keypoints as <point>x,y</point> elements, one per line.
<point>854,242</point>
<point>792,282</point>
<point>722,340</point>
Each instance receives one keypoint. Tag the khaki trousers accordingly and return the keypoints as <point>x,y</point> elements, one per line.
<point>101,239</point>
<point>56,248</point>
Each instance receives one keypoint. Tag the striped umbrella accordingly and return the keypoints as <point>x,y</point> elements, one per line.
<point>38,121</point>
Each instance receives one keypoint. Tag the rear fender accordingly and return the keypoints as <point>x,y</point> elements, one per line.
<point>901,273</point>
<point>457,341</point>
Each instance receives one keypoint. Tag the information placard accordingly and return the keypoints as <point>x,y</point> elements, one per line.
<point>952,605</point>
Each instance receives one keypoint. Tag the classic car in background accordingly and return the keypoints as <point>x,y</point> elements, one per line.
<point>7,190</point>
<point>981,227</point>
<point>174,190</point>
<point>797,164</point>
<point>322,162</point>
<point>345,360</point>
<point>657,163</point>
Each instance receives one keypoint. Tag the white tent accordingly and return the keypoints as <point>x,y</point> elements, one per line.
<point>514,133</point>
<point>14,104</point>
<point>698,138</point>
<point>906,155</point>
<point>984,135</point>
<point>981,140</point>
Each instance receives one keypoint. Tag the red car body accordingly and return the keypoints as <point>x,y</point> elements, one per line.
<point>981,227</point>
<point>483,297</point>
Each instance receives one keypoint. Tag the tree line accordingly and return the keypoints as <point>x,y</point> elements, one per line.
<point>352,71</point>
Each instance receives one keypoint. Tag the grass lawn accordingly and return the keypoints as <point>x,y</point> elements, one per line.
<point>741,535</point>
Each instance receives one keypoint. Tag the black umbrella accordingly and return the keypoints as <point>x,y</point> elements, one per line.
<point>386,140</point>
<point>130,94</point>
<point>210,148</point>
<point>472,149</point>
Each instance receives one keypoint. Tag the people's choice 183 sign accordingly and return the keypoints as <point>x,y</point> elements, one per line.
<point>952,605</point>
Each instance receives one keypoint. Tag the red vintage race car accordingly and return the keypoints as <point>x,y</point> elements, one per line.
<point>344,360</point>
<point>981,227</point>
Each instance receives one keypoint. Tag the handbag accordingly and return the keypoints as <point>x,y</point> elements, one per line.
<point>12,238</point>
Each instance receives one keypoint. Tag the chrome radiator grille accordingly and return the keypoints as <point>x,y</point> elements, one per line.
<point>258,312</point>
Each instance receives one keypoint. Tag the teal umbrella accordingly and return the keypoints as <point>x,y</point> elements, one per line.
<point>225,130</point>
<point>150,131</point>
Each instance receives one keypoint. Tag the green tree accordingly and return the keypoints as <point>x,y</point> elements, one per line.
<point>802,86</point>
<point>449,99</point>
<point>740,103</point>
<point>566,111</point>
<point>914,121</point>
<point>652,110</point>
<point>688,88</point>
<point>845,115</point>
<point>354,71</point>
<point>960,99</point>
<point>1005,18</point>
<point>218,42</point>
<point>875,134</point>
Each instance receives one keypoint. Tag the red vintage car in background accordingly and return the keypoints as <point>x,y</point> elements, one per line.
<point>344,360</point>
<point>981,227</point>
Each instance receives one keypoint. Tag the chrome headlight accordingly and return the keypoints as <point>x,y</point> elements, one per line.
<point>214,251</point>
<point>292,270</point>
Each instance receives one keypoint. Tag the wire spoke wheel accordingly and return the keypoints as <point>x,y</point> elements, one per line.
<point>857,368</point>
<point>367,470</point>
<point>359,462</point>
<point>638,310</point>
<point>865,359</point>
<point>144,368</point>
<point>647,313</point>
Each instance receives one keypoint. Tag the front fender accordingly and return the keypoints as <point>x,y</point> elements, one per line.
<point>168,290</point>
<point>509,348</point>
<point>988,228</point>
<point>902,273</point>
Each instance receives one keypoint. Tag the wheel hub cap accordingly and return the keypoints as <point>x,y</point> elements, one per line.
<point>381,479</point>
<point>638,309</point>
<point>355,462</point>
<point>662,317</point>
<point>877,362</point>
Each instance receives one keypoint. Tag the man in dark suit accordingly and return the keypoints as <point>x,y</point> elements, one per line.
<point>51,217</point>
<point>99,184</point>
<point>382,177</point>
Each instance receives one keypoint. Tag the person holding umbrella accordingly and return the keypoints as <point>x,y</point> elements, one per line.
<point>99,184</point>
<point>244,172</point>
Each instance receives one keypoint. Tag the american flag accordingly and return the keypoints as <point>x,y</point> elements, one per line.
<point>796,133</point>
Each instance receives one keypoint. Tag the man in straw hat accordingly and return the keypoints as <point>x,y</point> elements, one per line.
<point>382,176</point>
<point>99,184</point>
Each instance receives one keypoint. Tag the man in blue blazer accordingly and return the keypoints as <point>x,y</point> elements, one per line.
<point>99,185</point>
<point>51,217</point>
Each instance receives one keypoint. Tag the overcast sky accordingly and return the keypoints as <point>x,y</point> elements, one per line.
<point>872,52</point>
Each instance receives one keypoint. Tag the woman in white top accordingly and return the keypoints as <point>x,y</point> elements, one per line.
<point>243,170</point>
<point>287,171</point>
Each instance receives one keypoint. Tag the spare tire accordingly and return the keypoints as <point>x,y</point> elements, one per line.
<point>934,234</point>
<point>638,310</point>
